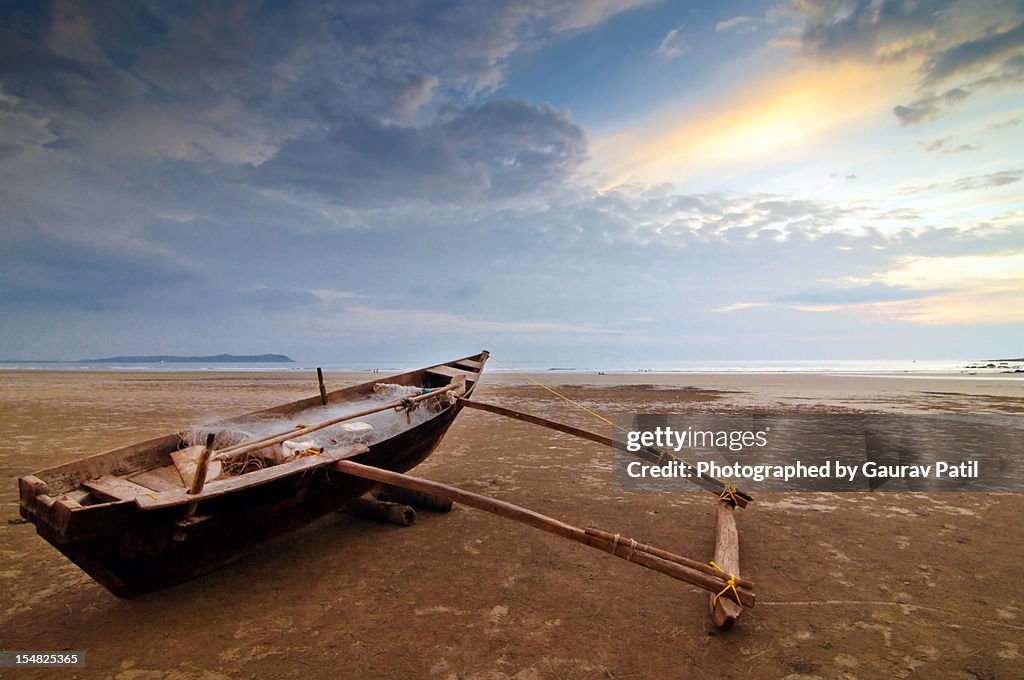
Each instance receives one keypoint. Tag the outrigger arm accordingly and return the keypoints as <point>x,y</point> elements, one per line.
<point>649,453</point>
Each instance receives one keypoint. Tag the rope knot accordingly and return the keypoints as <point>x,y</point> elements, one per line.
<point>408,406</point>
<point>729,585</point>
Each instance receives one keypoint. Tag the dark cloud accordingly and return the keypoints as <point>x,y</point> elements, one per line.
<point>954,39</point>
<point>49,272</point>
<point>9,150</point>
<point>930,106</point>
<point>860,27</point>
<point>500,148</point>
<point>973,53</point>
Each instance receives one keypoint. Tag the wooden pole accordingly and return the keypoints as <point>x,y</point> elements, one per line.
<point>724,611</point>
<point>202,465</point>
<point>542,522</point>
<point>649,454</point>
<point>198,481</point>
<point>302,431</point>
<point>323,388</point>
<point>624,544</point>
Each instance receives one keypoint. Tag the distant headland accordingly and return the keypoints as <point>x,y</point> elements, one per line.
<point>214,359</point>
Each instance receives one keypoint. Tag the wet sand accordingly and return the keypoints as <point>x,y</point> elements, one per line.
<point>849,585</point>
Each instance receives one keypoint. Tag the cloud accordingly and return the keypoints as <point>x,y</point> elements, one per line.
<point>932,106</point>
<point>673,45</point>
<point>742,24</point>
<point>864,28</point>
<point>929,107</point>
<point>972,54</point>
<point>501,148</point>
<point>959,48</point>
<point>946,145</point>
<point>992,180</point>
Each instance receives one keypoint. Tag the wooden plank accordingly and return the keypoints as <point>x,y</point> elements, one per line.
<point>724,611</point>
<point>117,488</point>
<point>469,365</point>
<point>162,478</point>
<point>452,372</point>
<point>221,487</point>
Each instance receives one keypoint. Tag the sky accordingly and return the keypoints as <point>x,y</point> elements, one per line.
<point>588,182</point>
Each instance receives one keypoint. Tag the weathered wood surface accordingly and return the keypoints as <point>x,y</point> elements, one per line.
<point>381,511</point>
<point>162,478</point>
<point>452,372</point>
<point>539,521</point>
<point>724,611</point>
<point>649,454</point>
<point>220,487</point>
<point>117,489</point>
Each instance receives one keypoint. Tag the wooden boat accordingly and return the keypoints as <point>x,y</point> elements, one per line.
<point>129,518</point>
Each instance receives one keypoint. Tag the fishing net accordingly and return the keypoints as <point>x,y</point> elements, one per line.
<point>367,429</point>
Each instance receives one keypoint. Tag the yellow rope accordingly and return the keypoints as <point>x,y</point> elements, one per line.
<point>559,394</point>
<point>729,494</point>
<point>729,585</point>
<point>661,453</point>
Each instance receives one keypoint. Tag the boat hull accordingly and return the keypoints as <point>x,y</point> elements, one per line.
<point>132,551</point>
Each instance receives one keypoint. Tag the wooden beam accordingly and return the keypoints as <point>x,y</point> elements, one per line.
<point>539,521</point>
<point>724,611</point>
<point>649,454</point>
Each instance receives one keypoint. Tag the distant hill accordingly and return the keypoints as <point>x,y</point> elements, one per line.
<point>215,359</point>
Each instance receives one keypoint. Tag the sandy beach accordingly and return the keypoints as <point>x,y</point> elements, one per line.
<point>852,585</point>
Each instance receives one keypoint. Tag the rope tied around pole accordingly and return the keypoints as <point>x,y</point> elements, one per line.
<point>728,495</point>
<point>729,585</point>
<point>408,406</point>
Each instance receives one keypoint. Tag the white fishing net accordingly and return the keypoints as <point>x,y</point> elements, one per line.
<point>367,429</point>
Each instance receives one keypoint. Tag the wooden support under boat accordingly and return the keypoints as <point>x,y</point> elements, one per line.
<point>417,499</point>
<point>381,511</point>
<point>724,611</point>
<point>712,583</point>
<point>649,453</point>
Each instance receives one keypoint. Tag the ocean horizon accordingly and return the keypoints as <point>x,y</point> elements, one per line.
<point>838,366</point>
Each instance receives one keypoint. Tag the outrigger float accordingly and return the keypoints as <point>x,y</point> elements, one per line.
<point>159,512</point>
